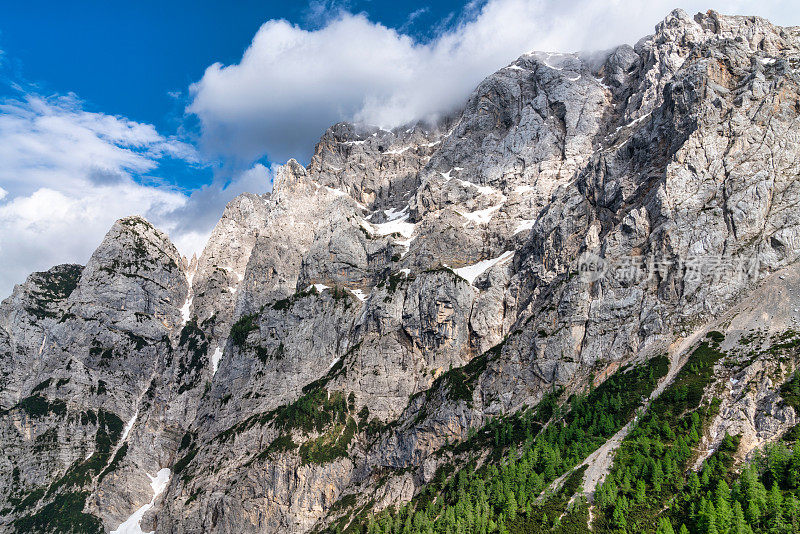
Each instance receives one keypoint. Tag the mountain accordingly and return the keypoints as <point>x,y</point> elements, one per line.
<point>574,301</point>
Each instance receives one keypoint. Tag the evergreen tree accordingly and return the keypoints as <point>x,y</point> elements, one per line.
<point>664,526</point>
<point>723,507</point>
<point>511,506</point>
<point>620,512</point>
<point>640,491</point>
<point>738,523</point>
<point>707,518</point>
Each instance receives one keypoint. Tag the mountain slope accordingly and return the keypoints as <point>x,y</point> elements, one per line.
<point>464,316</point>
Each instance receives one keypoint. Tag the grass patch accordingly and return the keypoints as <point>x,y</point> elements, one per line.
<point>331,445</point>
<point>242,328</point>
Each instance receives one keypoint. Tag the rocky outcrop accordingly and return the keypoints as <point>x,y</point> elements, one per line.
<point>338,336</point>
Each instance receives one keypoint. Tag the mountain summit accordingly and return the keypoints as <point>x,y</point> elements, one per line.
<point>571,304</point>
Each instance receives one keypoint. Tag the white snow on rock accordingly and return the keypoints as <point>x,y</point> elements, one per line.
<point>340,193</point>
<point>482,189</point>
<point>393,214</point>
<point>405,243</point>
<point>159,484</point>
<point>521,189</point>
<point>319,287</point>
<point>471,272</point>
<point>360,295</point>
<point>548,64</point>
<point>185,309</point>
<point>397,226</point>
<point>128,427</point>
<point>396,223</point>
<point>215,358</point>
<point>629,124</point>
<point>481,216</point>
<point>524,225</point>
<point>125,431</point>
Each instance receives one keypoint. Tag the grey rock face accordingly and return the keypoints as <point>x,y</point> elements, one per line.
<point>25,316</point>
<point>408,285</point>
<point>221,267</point>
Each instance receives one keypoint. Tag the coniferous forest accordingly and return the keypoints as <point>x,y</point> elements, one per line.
<point>518,473</point>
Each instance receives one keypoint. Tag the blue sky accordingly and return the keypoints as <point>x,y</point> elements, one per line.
<point>169,109</point>
<point>137,59</point>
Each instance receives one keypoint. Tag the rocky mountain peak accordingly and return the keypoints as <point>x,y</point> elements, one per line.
<point>426,311</point>
<point>135,269</point>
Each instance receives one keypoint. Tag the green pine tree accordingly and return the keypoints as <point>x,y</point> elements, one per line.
<point>664,526</point>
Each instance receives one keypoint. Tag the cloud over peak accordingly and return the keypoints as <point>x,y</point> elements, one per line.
<point>292,83</point>
<point>67,174</point>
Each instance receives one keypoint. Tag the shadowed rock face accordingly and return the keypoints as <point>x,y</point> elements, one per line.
<point>408,285</point>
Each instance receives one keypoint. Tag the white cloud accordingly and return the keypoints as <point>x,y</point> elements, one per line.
<point>54,143</point>
<point>68,174</point>
<point>292,83</point>
<point>49,227</point>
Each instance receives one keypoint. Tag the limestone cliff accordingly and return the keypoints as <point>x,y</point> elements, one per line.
<point>338,338</point>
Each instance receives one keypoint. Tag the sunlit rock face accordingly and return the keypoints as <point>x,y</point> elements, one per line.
<point>577,213</point>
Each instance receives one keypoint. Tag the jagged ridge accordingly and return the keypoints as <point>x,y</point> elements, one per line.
<point>362,332</point>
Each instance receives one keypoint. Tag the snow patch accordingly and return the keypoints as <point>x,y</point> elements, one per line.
<point>631,123</point>
<point>482,189</point>
<point>215,358</point>
<point>393,214</point>
<point>185,309</point>
<point>524,225</point>
<point>471,272</point>
<point>159,484</point>
<point>524,189</point>
<point>481,216</point>
<point>599,80</point>
<point>125,431</point>
<point>396,226</point>
<point>405,243</point>
<point>360,295</point>
<point>547,64</point>
<point>340,193</point>
<point>128,427</point>
<point>318,287</point>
